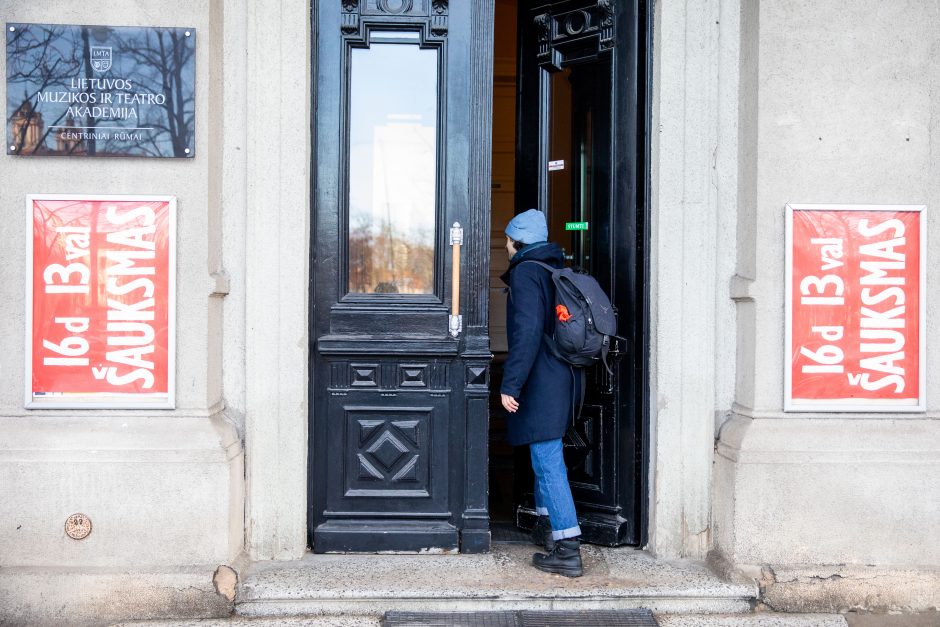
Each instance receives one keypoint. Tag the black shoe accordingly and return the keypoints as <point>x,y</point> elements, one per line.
<point>542,534</point>
<point>565,559</point>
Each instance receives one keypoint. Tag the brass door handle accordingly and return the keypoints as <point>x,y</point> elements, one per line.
<point>456,241</point>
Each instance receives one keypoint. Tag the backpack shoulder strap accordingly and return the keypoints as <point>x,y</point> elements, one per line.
<point>541,263</point>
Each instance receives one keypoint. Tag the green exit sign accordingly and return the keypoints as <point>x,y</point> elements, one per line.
<point>576,226</point>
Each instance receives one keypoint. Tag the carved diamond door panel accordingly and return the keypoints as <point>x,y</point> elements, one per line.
<point>388,453</point>
<point>387,459</point>
<point>387,433</point>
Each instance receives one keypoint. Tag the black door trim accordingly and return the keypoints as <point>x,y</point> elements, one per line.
<point>644,143</point>
<point>389,354</point>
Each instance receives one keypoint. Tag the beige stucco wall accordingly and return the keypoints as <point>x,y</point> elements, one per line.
<point>743,90</point>
<point>243,236</point>
<point>846,111</point>
<point>163,489</point>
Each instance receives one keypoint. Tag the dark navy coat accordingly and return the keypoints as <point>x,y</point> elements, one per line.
<point>541,382</point>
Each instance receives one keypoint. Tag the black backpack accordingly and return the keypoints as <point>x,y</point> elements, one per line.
<point>584,318</point>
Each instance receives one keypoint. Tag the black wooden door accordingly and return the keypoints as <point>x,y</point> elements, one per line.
<point>398,387</point>
<point>579,158</point>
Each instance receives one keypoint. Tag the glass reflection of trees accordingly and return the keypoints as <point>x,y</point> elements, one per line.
<point>38,59</point>
<point>43,58</point>
<point>392,169</point>
<point>162,62</point>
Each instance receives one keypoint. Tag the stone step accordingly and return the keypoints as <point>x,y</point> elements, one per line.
<point>370,585</point>
<point>664,620</point>
<point>751,620</point>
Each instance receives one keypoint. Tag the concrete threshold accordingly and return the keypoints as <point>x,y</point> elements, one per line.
<point>370,585</point>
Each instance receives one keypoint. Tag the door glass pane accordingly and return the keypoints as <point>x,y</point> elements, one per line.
<point>561,178</point>
<point>392,168</point>
<point>580,102</point>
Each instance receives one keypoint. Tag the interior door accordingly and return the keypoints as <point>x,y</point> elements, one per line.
<point>399,361</point>
<point>577,159</point>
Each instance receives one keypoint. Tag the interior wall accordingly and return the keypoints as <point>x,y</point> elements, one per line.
<point>504,163</point>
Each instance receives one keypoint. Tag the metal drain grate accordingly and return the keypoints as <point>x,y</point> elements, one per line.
<point>587,618</point>
<point>451,619</point>
<point>594,618</point>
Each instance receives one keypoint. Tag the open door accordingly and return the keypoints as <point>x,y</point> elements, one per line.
<point>579,151</point>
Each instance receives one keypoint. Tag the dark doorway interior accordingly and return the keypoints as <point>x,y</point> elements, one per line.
<point>503,469</point>
<point>569,137</point>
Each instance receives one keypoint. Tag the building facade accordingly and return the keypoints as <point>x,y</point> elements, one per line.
<point>723,112</point>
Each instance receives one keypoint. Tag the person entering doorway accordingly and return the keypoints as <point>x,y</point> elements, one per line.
<point>539,390</point>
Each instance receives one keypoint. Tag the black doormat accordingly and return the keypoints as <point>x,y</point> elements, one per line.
<point>523,618</point>
<point>509,533</point>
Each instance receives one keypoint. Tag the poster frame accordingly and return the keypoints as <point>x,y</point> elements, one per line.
<point>862,405</point>
<point>96,400</point>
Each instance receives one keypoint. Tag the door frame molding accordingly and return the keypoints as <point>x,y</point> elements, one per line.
<point>277,234</point>
<point>694,201</point>
<point>685,117</point>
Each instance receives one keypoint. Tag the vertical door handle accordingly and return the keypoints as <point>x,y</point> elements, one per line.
<point>456,241</point>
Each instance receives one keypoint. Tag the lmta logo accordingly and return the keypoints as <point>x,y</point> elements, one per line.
<point>101,58</point>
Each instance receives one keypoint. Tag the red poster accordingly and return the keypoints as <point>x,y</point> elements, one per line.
<point>855,314</point>
<point>101,301</point>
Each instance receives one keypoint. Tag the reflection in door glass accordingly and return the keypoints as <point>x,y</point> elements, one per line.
<point>580,101</point>
<point>392,169</point>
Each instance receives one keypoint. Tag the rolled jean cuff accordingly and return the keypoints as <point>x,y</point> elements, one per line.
<point>563,534</point>
<point>541,511</point>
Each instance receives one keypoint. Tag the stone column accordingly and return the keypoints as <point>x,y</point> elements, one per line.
<point>276,273</point>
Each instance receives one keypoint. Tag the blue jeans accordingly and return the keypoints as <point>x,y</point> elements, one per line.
<point>552,492</point>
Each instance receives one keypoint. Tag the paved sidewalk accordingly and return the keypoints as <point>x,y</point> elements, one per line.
<point>928,619</point>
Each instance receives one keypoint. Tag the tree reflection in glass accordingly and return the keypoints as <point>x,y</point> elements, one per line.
<point>136,99</point>
<point>392,168</point>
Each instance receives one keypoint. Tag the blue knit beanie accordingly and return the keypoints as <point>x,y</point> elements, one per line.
<point>528,227</point>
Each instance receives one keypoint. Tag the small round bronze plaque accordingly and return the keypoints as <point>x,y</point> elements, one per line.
<point>78,526</point>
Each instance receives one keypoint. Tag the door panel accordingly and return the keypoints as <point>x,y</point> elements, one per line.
<point>397,452</point>
<point>578,161</point>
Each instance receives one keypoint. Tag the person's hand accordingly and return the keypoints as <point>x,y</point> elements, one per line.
<point>510,403</point>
